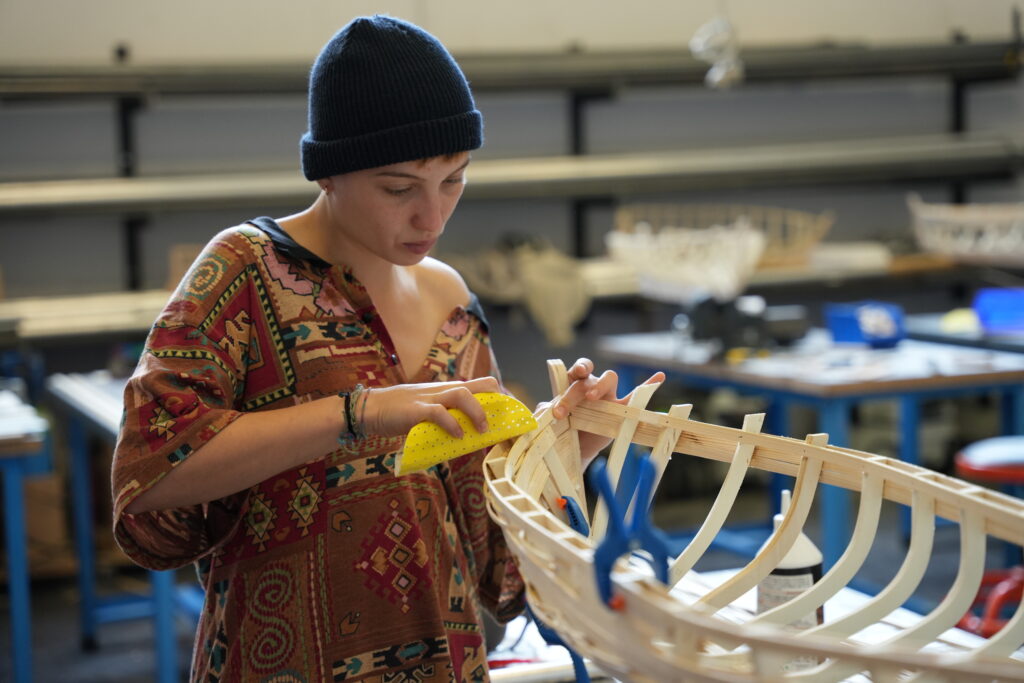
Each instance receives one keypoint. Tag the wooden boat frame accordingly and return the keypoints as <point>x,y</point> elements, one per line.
<point>982,234</point>
<point>790,234</point>
<point>656,636</point>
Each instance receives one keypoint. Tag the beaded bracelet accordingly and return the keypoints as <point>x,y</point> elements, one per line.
<point>353,426</point>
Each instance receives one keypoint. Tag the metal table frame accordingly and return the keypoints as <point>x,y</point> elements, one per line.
<point>88,414</point>
<point>27,456</point>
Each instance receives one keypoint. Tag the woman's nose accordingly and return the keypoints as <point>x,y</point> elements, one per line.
<point>430,215</point>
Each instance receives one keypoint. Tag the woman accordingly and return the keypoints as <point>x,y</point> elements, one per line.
<point>276,387</point>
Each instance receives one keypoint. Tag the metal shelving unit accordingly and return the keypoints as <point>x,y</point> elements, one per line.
<point>580,177</point>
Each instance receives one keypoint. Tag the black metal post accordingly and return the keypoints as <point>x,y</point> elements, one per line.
<point>578,100</point>
<point>132,225</point>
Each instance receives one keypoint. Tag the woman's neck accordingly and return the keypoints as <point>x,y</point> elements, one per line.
<point>312,230</point>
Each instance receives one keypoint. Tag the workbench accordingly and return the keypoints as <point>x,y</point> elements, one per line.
<point>92,405</point>
<point>24,452</point>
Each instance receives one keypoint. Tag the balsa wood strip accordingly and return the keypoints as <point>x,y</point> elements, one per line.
<point>661,454</point>
<point>617,456</point>
<point>846,566</point>
<point>780,542</point>
<point>903,584</point>
<point>723,503</point>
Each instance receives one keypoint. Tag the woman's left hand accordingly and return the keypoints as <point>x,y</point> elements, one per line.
<point>583,385</point>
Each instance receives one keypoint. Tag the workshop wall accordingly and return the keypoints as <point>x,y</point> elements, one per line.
<point>197,32</point>
<point>183,135</point>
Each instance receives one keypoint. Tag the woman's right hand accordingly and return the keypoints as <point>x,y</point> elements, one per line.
<point>392,411</point>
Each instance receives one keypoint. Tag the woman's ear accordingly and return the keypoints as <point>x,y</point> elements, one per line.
<point>326,184</point>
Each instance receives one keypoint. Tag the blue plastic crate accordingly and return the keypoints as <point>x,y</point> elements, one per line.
<point>876,323</point>
<point>1000,310</point>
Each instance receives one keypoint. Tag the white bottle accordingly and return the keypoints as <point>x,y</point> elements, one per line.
<point>798,571</point>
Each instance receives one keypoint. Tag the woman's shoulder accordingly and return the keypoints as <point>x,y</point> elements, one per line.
<point>442,284</point>
<point>244,238</point>
<point>219,269</point>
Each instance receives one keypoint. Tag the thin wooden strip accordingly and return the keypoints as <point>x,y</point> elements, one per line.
<point>902,585</point>
<point>716,517</point>
<point>840,467</point>
<point>780,542</point>
<point>1007,640</point>
<point>661,454</point>
<point>617,455</point>
<point>845,567</point>
<point>961,594</point>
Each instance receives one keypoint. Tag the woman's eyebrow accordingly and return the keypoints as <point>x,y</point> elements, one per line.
<point>400,174</point>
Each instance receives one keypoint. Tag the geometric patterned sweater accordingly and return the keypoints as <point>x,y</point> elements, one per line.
<point>335,570</point>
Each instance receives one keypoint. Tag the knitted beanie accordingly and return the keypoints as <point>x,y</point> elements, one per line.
<point>383,91</point>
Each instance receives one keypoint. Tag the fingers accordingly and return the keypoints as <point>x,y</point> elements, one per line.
<point>581,369</point>
<point>605,386</point>
<point>590,388</point>
<point>392,411</point>
<point>439,415</point>
<point>656,378</point>
<point>463,399</point>
<point>482,384</point>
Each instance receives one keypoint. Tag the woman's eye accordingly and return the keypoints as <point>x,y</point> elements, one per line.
<point>455,181</point>
<point>397,191</point>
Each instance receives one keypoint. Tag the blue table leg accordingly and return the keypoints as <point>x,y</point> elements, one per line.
<point>909,450</point>
<point>163,626</point>
<point>17,570</point>
<point>833,418</point>
<point>82,511</point>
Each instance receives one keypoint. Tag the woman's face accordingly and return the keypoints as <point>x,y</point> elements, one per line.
<point>395,212</point>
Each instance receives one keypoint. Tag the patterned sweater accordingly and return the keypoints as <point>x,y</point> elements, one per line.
<point>335,570</point>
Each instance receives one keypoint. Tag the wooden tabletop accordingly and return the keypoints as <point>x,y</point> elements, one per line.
<point>22,429</point>
<point>818,368</point>
<point>95,396</point>
<point>42,318</point>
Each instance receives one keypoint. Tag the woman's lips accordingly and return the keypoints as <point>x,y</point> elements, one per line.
<point>420,247</point>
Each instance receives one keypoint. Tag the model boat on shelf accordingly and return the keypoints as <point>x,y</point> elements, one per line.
<point>986,234</point>
<point>790,235</point>
<point>638,620</point>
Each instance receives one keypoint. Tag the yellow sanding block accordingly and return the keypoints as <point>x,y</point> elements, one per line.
<point>427,444</point>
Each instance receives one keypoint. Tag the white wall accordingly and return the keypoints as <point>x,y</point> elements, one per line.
<point>198,31</point>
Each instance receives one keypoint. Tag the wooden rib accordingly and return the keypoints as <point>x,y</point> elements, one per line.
<point>724,501</point>
<point>561,478</point>
<point>961,594</point>
<point>781,541</point>
<point>902,586</point>
<point>567,445</point>
<point>558,377</point>
<point>840,466</point>
<point>1007,640</point>
<point>534,458</point>
<point>662,451</point>
<point>846,566</point>
<point>617,456</point>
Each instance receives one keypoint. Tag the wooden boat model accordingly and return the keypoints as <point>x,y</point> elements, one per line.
<point>983,234</point>
<point>639,628</point>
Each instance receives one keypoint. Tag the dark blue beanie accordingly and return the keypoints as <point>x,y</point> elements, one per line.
<point>383,91</point>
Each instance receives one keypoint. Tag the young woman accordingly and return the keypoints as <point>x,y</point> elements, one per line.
<point>276,387</point>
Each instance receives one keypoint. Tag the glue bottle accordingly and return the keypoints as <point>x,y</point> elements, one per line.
<point>798,571</point>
